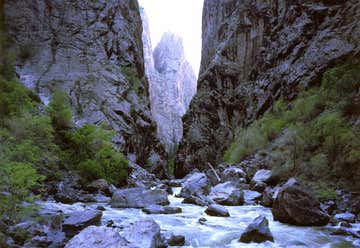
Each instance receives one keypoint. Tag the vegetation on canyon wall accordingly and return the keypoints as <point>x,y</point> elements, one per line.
<point>313,136</point>
<point>38,143</point>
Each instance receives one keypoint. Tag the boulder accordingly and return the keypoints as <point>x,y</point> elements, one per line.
<point>144,233</point>
<point>200,201</point>
<point>138,198</point>
<point>258,231</point>
<point>227,194</point>
<point>217,210</point>
<point>98,186</point>
<point>157,209</point>
<point>234,174</point>
<point>76,221</point>
<point>262,176</point>
<point>295,205</point>
<point>197,183</point>
<point>347,217</point>
<point>176,240</point>
<point>251,196</point>
<point>99,237</point>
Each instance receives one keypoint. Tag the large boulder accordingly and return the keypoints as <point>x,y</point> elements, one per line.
<point>196,200</point>
<point>99,237</point>
<point>295,205</point>
<point>262,176</point>
<point>99,186</point>
<point>157,209</point>
<point>78,220</point>
<point>227,194</point>
<point>258,231</point>
<point>196,184</point>
<point>251,196</point>
<point>138,198</point>
<point>234,174</point>
<point>217,210</point>
<point>144,233</point>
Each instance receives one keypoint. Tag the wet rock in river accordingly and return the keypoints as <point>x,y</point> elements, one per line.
<point>78,220</point>
<point>217,210</point>
<point>138,198</point>
<point>295,205</point>
<point>227,194</point>
<point>258,231</point>
<point>157,209</point>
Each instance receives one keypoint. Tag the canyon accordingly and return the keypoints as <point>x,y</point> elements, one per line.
<point>261,150</point>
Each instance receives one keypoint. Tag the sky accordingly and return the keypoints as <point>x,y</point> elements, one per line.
<point>182,17</point>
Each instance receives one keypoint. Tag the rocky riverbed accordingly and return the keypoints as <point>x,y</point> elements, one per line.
<point>196,211</point>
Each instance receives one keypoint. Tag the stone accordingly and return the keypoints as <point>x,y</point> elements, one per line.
<point>144,233</point>
<point>139,177</point>
<point>251,196</point>
<point>227,194</point>
<point>100,185</point>
<point>197,183</point>
<point>99,237</point>
<point>262,176</point>
<point>176,240</point>
<point>195,200</point>
<point>202,220</point>
<point>347,217</point>
<point>258,231</point>
<point>156,209</point>
<point>76,221</point>
<point>138,198</point>
<point>217,210</point>
<point>295,205</point>
<point>233,174</point>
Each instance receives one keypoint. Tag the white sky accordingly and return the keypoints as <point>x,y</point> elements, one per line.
<point>182,17</point>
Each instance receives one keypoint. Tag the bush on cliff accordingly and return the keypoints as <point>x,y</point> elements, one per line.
<point>320,122</point>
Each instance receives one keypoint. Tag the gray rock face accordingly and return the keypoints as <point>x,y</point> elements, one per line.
<point>157,209</point>
<point>254,52</point>
<point>101,237</point>
<point>258,231</point>
<point>227,194</point>
<point>77,221</point>
<point>197,184</point>
<point>138,198</point>
<point>172,84</point>
<point>294,205</point>
<point>217,210</point>
<point>93,51</point>
<point>144,233</point>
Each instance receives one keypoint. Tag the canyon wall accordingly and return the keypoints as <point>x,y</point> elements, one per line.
<point>254,52</point>
<point>93,51</point>
<point>172,85</point>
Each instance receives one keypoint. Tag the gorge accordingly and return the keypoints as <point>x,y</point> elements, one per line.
<point>107,141</point>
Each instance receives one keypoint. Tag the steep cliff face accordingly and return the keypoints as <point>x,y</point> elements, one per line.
<point>253,52</point>
<point>93,51</point>
<point>172,85</point>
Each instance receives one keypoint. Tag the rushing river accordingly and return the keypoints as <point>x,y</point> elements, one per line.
<point>224,231</point>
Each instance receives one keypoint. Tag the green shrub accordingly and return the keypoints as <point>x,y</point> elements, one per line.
<point>59,110</point>
<point>93,151</point>
<point>131,75</point>
<point>18,179</point>
<point>324,192</point>
<point>323,143</point>
<point>14,99</point>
